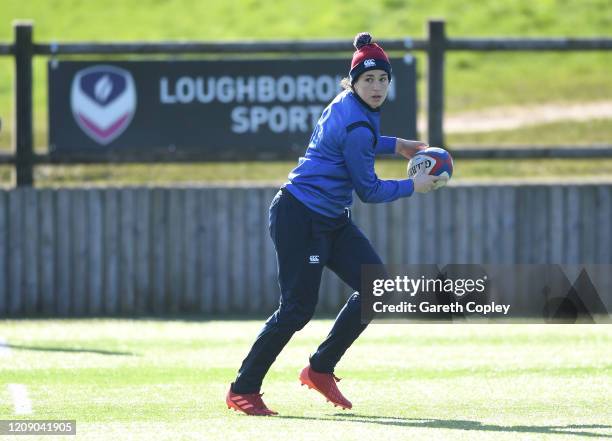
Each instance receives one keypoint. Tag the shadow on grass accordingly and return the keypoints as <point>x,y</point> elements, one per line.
<point>75,350</point>
<point>169,318</point>
<point>572,429</point>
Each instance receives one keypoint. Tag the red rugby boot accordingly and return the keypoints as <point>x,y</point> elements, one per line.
<point>251,404</point>
<point>325,384</point>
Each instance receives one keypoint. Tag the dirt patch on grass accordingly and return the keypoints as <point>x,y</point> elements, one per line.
<point>514,117</point>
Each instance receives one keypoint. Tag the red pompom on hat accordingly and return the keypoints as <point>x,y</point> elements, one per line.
<point>368,56</point>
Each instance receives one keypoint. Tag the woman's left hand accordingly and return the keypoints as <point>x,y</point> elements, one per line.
<point>408,148</point>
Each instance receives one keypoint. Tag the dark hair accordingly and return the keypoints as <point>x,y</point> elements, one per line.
<point>362,39</point>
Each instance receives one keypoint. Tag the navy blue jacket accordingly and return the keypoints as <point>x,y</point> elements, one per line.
<point>340,159</point>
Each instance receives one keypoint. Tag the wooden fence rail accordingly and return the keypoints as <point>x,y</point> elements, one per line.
<point>24,48</point>
<point>158,251</point>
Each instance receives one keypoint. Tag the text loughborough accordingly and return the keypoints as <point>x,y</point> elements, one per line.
<point>284,104</point>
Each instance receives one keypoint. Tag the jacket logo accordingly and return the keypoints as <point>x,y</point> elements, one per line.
<point>313,259</point>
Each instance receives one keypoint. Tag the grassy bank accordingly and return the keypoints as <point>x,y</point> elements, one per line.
<point>274,173</point>
<point>474,80</point>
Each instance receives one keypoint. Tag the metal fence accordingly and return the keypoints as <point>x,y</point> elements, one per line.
<point>144,251</point>
<point>436,45</point>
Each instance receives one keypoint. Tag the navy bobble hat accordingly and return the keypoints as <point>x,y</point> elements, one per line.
<point>368,56</point>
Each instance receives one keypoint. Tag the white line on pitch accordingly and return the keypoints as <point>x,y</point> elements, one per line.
<point>5,350</point>
<point>21,401</point>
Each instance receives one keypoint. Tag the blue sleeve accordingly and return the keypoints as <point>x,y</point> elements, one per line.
<point>359,155</point>
<point>386,145</point>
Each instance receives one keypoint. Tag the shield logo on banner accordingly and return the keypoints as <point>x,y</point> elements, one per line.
<point>103,101</point>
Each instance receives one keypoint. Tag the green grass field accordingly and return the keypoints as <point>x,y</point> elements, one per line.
<point>161,380</point>
<point>275,173</point>
<point>596,131</point>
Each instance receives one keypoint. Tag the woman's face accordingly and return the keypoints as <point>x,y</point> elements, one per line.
<point>372,87</point>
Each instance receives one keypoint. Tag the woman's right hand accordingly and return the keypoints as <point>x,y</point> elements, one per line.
<point>425,183</point>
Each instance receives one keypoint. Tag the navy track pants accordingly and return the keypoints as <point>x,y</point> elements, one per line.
<point>305,242</point>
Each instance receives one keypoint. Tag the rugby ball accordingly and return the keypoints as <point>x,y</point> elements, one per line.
<point>432,161</point>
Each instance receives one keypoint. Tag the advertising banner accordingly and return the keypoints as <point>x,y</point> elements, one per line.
<point>230,109</point>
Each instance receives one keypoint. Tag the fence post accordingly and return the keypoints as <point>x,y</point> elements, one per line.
<point>435,82</point>
<point>22,129</point>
